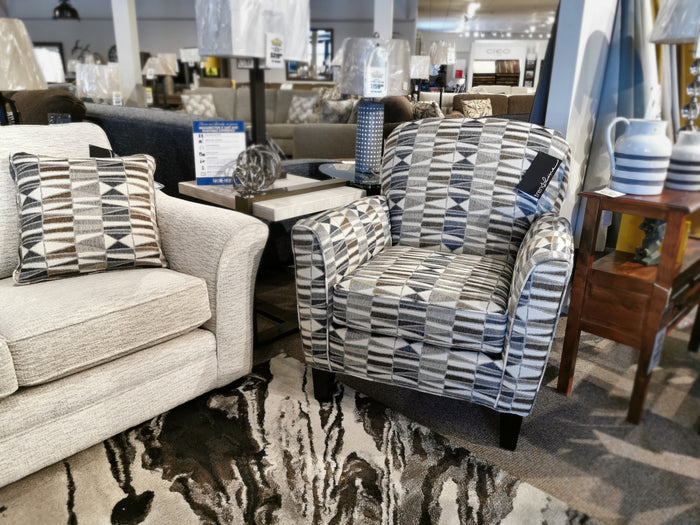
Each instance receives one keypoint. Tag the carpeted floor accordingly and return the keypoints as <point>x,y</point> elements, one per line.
<point>264,451</point>
<point>579,448</point>
<point>203,462</point>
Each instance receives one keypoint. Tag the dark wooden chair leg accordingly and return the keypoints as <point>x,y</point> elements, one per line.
<point>510,430</point>
<point>695,334</point>
<point>324,385</point>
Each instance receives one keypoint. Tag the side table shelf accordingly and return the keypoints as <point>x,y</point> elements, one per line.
<point>630,303</point>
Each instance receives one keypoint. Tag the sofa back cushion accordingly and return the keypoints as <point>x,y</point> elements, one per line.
<point>397,109</point>
<point>34,105</point>
<point>451,184</point>
<point>60,140</point>
<point>520,104</point>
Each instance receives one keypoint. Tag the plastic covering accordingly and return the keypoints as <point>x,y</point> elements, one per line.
<point>18,66</point>
<point>364,57</point>
<point>442,52</point>
<point>165,64</point>
<point>97,81</point>
<point>677,22</point>
<point>420,67</point>
<point>237,28</point>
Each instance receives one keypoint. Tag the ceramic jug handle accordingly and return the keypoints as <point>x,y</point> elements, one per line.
<point>609,139</point>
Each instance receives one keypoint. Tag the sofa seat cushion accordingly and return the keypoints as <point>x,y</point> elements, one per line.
<point>440,298</point>
<point>56,328</point>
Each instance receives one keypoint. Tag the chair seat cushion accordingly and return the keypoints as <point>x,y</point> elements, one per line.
<point>56,328</point>
<point>440,298</point>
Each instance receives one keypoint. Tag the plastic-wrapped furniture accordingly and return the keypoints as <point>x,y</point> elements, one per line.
<point>83,358</point>
<point>451,282</point>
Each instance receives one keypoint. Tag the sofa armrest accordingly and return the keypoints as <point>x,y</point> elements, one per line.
<point>224,248</point>
<point>540,278</point>
<point>8,378</point>
<point>327,247</point>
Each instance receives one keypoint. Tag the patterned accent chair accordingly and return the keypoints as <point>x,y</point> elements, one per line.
<point>451,282</point>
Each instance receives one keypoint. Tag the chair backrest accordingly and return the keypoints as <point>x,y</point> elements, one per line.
<point>451,183</point>
<point>65,140</point>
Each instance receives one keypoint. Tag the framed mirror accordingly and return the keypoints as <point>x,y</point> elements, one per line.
<point>318,65</point>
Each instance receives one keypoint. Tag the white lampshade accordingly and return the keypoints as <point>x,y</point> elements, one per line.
<point>161,65</point>
<point>18,65</point>
<point>420,67</point>
<point>97,81</point>
<point>238,28</point>
<point>364,58</point>
<point>677,22</point>
<point>442,52</point>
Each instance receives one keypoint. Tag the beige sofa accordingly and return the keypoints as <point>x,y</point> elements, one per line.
<point>234,104</point>
<point>83,358</point>
<point>506,105</point>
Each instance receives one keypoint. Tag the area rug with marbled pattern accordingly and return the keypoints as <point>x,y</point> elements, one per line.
<point>263,451</point>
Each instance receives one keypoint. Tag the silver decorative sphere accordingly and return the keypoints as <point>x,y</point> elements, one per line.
<point>254,170</point>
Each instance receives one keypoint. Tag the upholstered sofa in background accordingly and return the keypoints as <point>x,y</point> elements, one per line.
<point>515,106</point>
<point>34,105</point>
<point>83,358</point>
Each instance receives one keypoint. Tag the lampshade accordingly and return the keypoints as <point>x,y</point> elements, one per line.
<point>65,11</point>
<point>97,81</point>
<point>238,28</point>
<point>18,66</point>
<point>375,68</point>
<point>677,22</point>
<point>442,52</point>
<point>420,67</point>
<point>165,64</point>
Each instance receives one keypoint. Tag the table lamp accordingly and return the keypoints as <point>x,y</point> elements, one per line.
<point>19,68</point>
<point>246,29</point>
<point>373,68</point>
<point>164,66</point>
<point>420,70</point>
<point>99,82</point>
<point>442,53</point>
<point>678,22</point>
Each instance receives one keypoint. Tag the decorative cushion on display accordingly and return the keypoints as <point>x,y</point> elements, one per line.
<point>329,93</point>
<point>302,110</point>
<point>199,104</point>
<point>336,111</point>
<point>84,215</point>
<point>477,108</point>
<point>429,109</point>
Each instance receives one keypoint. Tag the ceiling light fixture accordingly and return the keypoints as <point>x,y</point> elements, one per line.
<point>65,11</point>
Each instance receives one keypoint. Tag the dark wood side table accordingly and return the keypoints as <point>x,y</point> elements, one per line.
<point>628,302</point>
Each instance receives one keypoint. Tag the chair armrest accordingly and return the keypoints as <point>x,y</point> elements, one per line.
<point>540,277</point>
<point>224,248</point>
<point>327,247</point>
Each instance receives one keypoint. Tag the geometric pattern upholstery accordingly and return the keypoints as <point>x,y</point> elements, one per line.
<point>441,298</point>
<point>199,104</point>
<point>84,215</point>
<point>451,183</point>
<point>303,110</point>
<point>452,281</point>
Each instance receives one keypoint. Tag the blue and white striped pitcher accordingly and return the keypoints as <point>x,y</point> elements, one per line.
<point>641,156</point>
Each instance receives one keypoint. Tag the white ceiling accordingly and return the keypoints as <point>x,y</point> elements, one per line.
<point>493,18</point>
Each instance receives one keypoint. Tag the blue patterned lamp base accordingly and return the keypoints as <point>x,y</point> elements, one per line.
<point>370,125</point>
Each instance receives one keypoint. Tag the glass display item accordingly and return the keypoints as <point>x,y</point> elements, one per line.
<point>254,170</point>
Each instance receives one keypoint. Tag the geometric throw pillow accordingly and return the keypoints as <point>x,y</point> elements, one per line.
<point>199,104</point>
<point>84,215</point>
<point>336,111</point>
<point>302,110</point>
<point>477,108</point>
<point>429,109</point>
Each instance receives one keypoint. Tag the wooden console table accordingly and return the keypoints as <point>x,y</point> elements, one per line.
<point>628,302</point>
